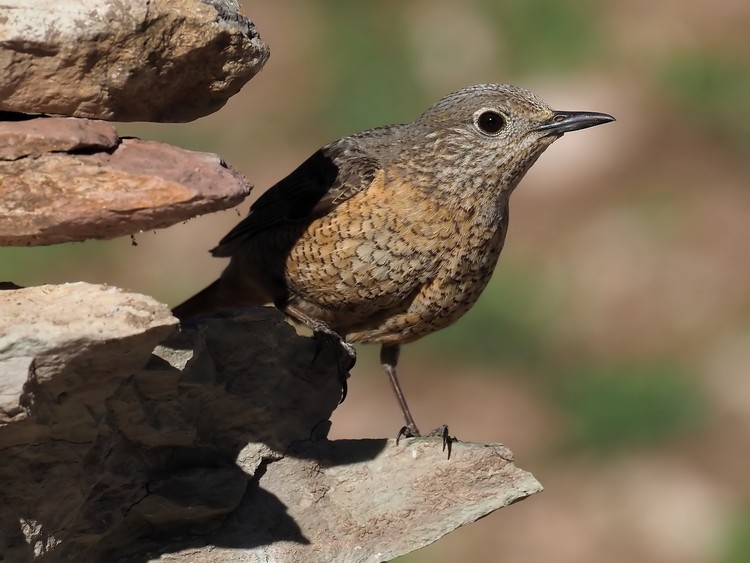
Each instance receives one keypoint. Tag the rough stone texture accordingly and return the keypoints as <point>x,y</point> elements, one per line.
<point>362,501</point>
<point>81,336</point>
<point>34,137</point>
<point>211,448</point>
<point>138,60</point>
<point>103,186</point>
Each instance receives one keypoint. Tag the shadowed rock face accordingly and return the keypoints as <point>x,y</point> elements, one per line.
<point>105,441</point>
<point>140,60</point>
<point>125,438</point>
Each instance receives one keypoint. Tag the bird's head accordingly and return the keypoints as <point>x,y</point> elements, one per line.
<point>494,132</point>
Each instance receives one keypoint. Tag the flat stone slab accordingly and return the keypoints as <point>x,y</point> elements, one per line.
<point>139,60</point>
<point>68,179</point>
<point>34,137</point>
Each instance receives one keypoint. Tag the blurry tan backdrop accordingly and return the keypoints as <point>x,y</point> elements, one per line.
<point>612,350</point>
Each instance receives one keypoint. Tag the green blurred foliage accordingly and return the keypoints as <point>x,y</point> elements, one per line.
<point>616,408</point>
<point>370,80</point>
<point>57,263</point>
<point>544,35</point>
<point>737,547</point>
<point>370,77</point>
<point>712,91</point>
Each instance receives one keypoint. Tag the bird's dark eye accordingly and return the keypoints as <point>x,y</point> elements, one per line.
<point>490,122</point>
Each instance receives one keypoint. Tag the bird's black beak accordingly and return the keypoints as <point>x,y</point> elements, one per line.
<point>565,121</point>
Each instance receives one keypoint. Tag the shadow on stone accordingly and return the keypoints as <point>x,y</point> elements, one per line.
<point>125,439</point>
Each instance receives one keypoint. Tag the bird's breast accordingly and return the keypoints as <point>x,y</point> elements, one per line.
<point>388,246</point>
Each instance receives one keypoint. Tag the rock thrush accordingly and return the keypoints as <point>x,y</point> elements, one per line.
<point>393,233</point>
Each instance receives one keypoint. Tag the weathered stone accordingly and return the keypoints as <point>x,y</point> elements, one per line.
<point>364,501</point>
<point>50,331</point>
<point>202,451</point>
<point>34,137</point>
<point>107,187</point>
<point>140,60</point>
<point>357,501</point>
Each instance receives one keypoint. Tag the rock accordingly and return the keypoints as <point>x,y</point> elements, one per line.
<point>141,60</point>
<point>82,337</point>
<point>129,439</point>
<point>364,501</point>
<point>34,137</point>
<point>357,501</point>
<point>66,179</point>
<point>211,448</point>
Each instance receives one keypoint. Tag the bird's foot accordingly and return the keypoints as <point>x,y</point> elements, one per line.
<point>409,431</point>
<point>346,360</point>
<point>448,440</point>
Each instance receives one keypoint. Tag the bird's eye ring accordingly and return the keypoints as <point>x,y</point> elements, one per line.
<point>490,122</point>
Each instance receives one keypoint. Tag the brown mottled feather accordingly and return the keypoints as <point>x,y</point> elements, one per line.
<point>331,175</point>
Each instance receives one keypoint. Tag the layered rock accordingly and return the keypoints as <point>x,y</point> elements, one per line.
<point>67,179</point>
<point>210,447</point>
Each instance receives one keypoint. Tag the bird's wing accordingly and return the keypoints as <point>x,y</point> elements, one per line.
<point>330,176</point>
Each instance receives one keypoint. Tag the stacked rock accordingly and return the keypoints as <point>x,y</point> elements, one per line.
<point>73,178</point>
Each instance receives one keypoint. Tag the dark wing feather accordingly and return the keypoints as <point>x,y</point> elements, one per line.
<point>331,175</point>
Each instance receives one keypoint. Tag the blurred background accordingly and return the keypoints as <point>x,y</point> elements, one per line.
<point>611,351</point>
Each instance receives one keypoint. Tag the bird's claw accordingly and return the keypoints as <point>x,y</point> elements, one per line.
<point>346,363</point>
<point>448,440</point>
<point>409,431</point>
<point>346,360</point>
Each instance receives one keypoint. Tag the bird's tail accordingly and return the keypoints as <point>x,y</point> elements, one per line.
<point>218,297</point>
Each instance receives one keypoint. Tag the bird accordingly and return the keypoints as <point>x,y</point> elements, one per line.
<point>388,235</point>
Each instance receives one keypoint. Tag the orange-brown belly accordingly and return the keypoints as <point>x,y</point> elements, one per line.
<point>391,265</point>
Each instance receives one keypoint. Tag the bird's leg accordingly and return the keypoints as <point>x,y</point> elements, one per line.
<point>319,329</point>
<point>389,358</point>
